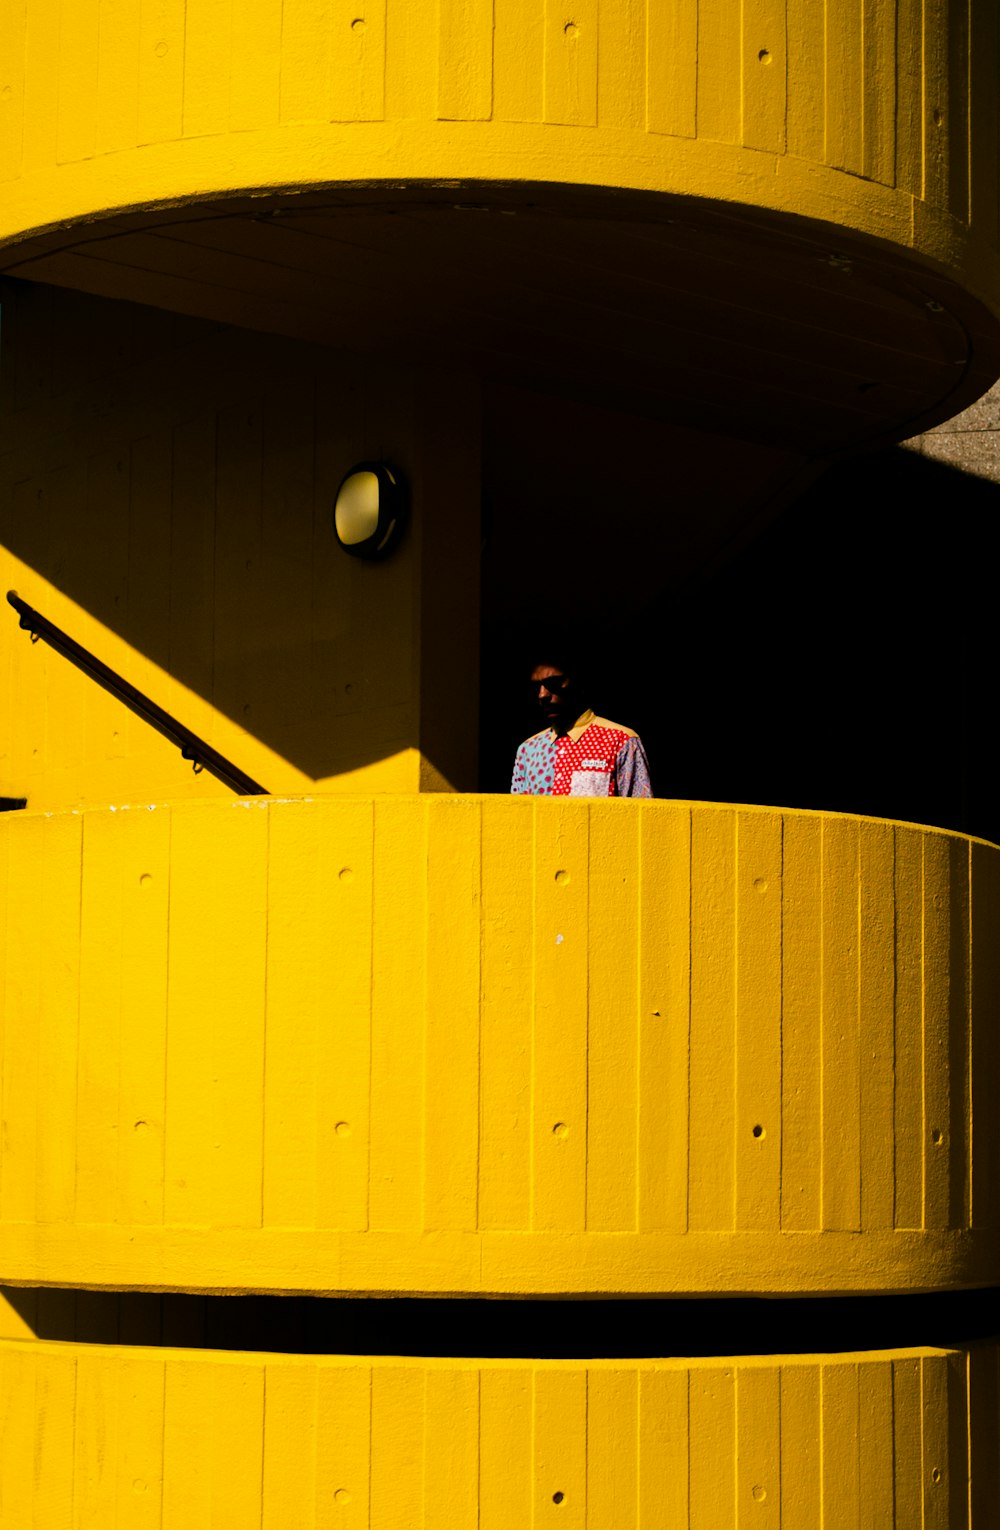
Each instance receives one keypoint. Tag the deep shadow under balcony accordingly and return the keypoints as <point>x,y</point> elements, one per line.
<point>496,1046</point>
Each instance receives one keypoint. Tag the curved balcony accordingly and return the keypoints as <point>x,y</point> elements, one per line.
<point>785,215</point>
<point>497,1046</point>
<point>179,1437</point>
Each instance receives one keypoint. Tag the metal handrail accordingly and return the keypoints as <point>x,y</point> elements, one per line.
<point>193,748</point>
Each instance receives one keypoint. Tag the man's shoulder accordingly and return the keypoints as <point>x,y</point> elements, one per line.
<point>613,727</point>
<point>536,738</point>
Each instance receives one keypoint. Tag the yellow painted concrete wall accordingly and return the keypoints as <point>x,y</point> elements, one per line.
<point>170,1439</point>
<point>880,117</point>
<point>497,1045</point>
<point>166,497</point>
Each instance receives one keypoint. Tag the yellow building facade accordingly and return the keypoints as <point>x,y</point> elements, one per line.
<point>608,285</point>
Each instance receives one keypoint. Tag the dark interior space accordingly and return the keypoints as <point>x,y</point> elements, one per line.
<point>841,659</point>
<point>511,1329</point>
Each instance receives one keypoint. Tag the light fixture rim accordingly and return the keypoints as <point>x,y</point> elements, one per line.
<point>393,511</point>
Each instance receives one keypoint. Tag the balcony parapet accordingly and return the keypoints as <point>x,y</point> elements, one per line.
<point>906,1437</point>
<point>497,1046</point>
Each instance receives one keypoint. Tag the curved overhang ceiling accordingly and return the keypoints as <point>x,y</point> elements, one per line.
<point>766,326</point>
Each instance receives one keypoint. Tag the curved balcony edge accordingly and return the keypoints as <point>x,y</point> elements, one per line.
<point>897,1435</point>
<point>497,1045</point>
<point>224,1262</point>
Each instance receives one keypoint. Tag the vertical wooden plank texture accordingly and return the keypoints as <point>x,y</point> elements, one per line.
<point>758,1446</point>
<point>506,1476</point>
<point>397,1011</point>
<point>357,61</point>
<point>875,999</point>
<point>13,18</point>
<point>984,1144</point>
<point>207,60</point>
<point>451,1448</point>
<point>571,51</point>
<point>507,994</point>
<point>844,86</point>
<point>216,977</point>
<point>672,68</point>
<point>98,1113</point>
<point>841,1050</point>
<point>24,1027</point>
<point>57,1121</point>
<point>518,50</point>
<point>161,71</point>
<point>140,1441</point>
<point>117,113</point>
<point>51,1415</point>
<point>719,47</point>
<point>318,1014</point>
<point>757,1145</point>
<point>560,1447</point>
<point>879,91</point>
<point>451,1044</point>
<point>840,1438</point>
<point>875,1424</point>
<point>664,1019</point>
<point>397,1446</point>
<point>663,1446</point>
<point>907,1441</point>
<point>612,1447</point>
<point>612,1038</point>
<point>465,60</point>
<point>800,1445</point>
<point>256,58</point>
<point>344,1460</point>
<point>712,1448</point>
<point>77,72</point>
<point>908,1110</point>
<point>560,1036</point>
<point>936,1111</point>
<point>41,86</point>
<point>712,1129</point>
<point>764,72</point>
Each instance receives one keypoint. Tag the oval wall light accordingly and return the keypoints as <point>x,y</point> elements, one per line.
<point>370,512</point>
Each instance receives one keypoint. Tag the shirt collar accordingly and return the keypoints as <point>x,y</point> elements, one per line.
<point>580,727</point>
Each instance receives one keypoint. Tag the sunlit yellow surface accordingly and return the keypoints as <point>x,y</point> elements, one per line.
<point>175,1438</point>
<point>880,119</point>
<point>496,1045</point>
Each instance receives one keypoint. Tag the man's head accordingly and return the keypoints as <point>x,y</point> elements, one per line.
<point>558,692</point>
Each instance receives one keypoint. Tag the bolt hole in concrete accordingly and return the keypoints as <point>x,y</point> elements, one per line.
<point>572,30</point>
<point>764,56</point>
<point>358,24</point>
<point>759,1494</point>
<point>560,1129</point>
<point>936,1475</point>
<point>343,1128</point>
<point>562,877</point>
<point>937,1136</point>
<point>758,1131</point>
<point>558,1497</point>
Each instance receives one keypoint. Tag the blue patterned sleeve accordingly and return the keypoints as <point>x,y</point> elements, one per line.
<point>519,781</point>
<point>632,770</point>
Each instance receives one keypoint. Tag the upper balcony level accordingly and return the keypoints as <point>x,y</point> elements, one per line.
<point>775,221</point>
<point>496,1046</point>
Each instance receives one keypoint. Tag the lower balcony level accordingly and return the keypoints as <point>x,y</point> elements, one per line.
<point>481,1045</point>
<point>176,1438</point>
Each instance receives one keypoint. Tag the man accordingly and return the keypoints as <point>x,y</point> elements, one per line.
<point>577,754</point>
